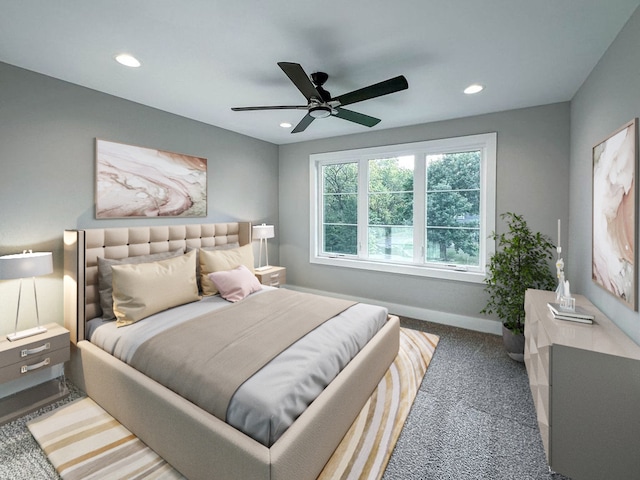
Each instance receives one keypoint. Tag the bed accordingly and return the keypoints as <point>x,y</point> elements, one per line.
<point>195,442</point>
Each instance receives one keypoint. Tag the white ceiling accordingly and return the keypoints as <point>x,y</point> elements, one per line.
<point>202,57</point>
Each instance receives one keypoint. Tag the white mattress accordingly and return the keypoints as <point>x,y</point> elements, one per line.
<point>270,401</point>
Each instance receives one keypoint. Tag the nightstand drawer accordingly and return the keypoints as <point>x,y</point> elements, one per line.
<point>273,276</point>
<point>33,346</point>
<point>33,364</point>
<point>275,279</point>
<point>31,354</point>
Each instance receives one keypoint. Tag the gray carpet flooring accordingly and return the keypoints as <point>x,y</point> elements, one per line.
<point>473,418</point>
<point>20,455</point>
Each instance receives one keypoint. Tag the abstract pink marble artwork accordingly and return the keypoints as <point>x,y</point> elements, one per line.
<point>143,182</point>
<point>614,214</point>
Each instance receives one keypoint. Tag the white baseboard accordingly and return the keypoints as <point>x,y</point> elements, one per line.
<point>451,319</point>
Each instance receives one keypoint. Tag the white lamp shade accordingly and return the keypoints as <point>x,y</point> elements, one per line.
<point>263,231</point>
<point>26,264</point>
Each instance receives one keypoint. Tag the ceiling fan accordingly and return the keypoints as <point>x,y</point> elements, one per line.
<point>321,104</point>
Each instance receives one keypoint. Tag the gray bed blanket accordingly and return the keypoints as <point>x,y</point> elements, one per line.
<point>206,359</point>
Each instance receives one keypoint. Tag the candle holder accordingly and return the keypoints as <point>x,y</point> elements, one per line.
<point>563,291</point>
<point>568,304</point>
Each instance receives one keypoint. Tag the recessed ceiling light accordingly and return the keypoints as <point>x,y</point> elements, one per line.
<point>475,88</point>
<point>127,60</point>
<point>285,125</point>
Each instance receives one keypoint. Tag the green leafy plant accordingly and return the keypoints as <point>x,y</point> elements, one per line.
<point>520,262</point>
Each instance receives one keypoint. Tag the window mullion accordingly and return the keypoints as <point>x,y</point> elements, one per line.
<point>317,210</point>
<point>419,205</point>
<point>363,208</point>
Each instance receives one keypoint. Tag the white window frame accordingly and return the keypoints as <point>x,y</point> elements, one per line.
<point>486,143</point>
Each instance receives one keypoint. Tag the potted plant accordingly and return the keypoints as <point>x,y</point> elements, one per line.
<point>521,261</point>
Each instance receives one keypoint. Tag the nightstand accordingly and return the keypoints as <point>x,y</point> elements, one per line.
<point>23,358</point>
<point>273,276</point>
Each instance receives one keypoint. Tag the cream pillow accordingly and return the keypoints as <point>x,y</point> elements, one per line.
<point>226,246</point>
<point>140,290</point>
<point>104,276</point>
<point>221,260</point>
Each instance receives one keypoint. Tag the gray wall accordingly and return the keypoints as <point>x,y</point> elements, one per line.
<point>532,179</point>
<point>608,99</point>
<point>47,133</point>
<point>48,127</point>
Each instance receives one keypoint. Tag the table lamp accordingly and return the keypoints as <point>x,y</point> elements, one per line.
<point>25,265</point>
<point>262,232</point>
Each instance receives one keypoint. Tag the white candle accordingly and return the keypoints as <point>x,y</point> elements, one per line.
<point>559,244</point>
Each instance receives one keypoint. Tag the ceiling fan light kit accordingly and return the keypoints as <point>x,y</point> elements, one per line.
<point>321,111</point>
<point>320,104</point>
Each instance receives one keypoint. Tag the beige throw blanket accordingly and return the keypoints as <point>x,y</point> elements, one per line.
<point>206,359</point>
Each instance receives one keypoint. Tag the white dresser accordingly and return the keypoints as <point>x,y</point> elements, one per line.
<point>585,382</point>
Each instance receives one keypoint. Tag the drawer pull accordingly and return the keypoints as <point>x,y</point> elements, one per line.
<point>275,283</point>
<point>28,368</point>
<point>32,351</point>
<point>275,275</point>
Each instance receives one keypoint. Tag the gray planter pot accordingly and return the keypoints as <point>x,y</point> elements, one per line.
<point>513,343</point>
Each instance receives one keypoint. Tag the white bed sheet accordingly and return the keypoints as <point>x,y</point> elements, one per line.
<point>270,401</point>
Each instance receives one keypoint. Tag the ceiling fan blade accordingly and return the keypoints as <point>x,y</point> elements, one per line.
<point>274,107</point>
<point>304,123</point>
<point>356,117</point>
<point>300,79</point>
<point>372,91</point>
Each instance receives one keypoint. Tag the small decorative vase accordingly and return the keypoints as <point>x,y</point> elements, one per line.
<point>514,344</point>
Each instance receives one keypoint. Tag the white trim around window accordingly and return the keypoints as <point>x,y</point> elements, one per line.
<point>485,143</point>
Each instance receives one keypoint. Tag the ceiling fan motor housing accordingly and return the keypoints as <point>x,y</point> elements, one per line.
<point>318,79</point>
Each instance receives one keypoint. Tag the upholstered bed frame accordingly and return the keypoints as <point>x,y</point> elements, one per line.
<point>196,443</point>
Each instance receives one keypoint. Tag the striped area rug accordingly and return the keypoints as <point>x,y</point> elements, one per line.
<point>366,448</point>
<point>82,441</point>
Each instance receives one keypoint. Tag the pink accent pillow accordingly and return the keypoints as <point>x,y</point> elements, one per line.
<point>235,284</point>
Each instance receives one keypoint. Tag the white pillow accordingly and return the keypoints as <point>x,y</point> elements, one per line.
<point>236,284</point>
<point>140,290</point>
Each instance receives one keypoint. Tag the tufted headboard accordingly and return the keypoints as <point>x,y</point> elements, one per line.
<point>83,247</point>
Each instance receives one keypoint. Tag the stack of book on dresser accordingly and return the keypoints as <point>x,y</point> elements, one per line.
<point>580,314</point>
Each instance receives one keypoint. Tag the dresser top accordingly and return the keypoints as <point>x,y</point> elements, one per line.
<point>602,336</point>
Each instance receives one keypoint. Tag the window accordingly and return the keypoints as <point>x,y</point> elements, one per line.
<point>390,209</point>
<point>340,208</point>
<point>422,208</point>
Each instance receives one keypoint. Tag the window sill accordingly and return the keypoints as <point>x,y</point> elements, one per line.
<point>420,271</point>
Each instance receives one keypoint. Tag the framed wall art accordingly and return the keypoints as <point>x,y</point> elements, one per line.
<point>615,215</point>
<point>136,182</point>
